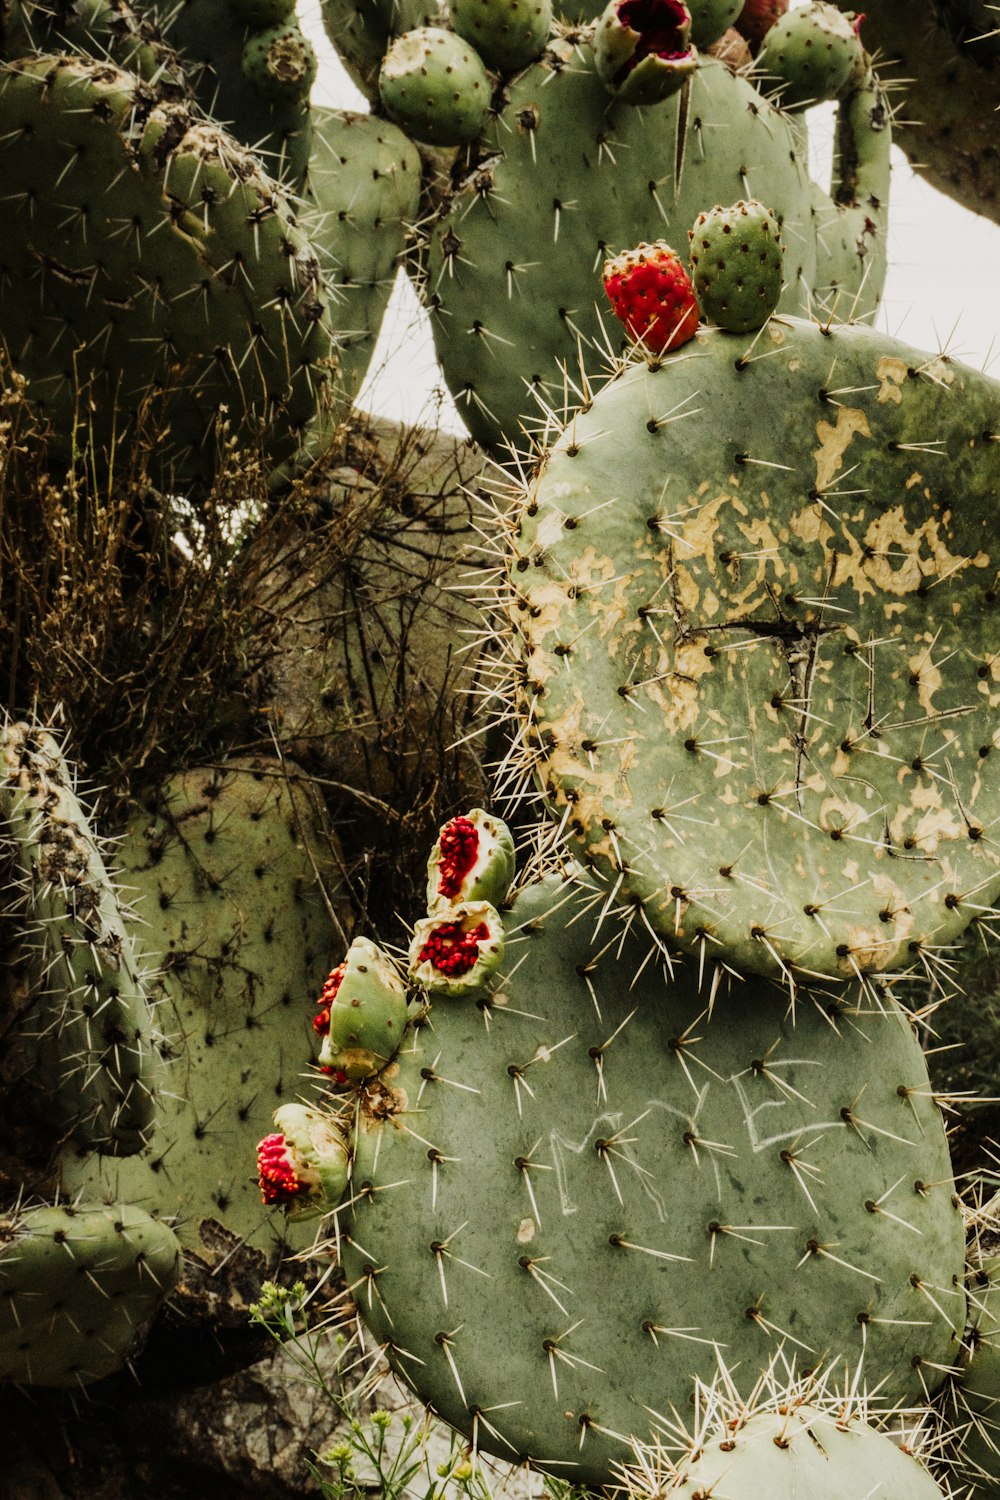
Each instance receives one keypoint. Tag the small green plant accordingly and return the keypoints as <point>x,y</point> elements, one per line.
<point>397,1455</point>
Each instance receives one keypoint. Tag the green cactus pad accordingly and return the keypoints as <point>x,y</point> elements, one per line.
<point>222,867</point>
<point>798,1452</point>
<point>78,1284</point>
<point>811,54</point>
<point>756,664</point>
<point>569,1195</point>
<point>361,197</point>
<point>973,1413</point>
<point>85,1042</point>
<point>737,263</point>
<point>563,177</point>
<point>367,1013</point>
<point>167,267</point>
<point>434,84</point>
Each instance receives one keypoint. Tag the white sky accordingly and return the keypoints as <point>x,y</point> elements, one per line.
<point>942,291</point>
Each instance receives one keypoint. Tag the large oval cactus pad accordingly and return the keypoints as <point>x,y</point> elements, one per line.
<point>569,1196</point>
<point>753,595</point>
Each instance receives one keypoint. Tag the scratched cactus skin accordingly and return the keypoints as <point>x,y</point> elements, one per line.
<point>759,683</point>
<point>767,1176</point>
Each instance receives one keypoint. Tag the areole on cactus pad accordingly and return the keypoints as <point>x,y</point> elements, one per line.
<point>758,666</point>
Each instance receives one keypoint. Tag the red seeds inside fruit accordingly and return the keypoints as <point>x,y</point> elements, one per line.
<point>662,25</point>
<point>321,1020</point>
<point>459,848</point>
<point>278,1181</point>
<point>451,950</point>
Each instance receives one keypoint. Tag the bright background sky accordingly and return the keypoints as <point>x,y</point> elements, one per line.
<point>942,291</point>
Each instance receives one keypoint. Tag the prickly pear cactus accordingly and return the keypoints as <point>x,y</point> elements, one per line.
<point>756,666</point>
<point>944,71</point>
<point>78,1284</point>
<point>747,1177</point>
<point>562,177</point>
<point>222,866</point>
<point>82,1047</point>
<point>167,267</point>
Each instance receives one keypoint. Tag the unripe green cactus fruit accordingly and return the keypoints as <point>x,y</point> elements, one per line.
<point>569,1192</point>
<point>86,1039</point>
<point>758,663</point>
<point>737,263</point>
<point>280,62</point>
<point>77,1285</point>
<point>642,49</point>
<point>434,84</point>
<point>710,19</point>
<point>810,54</point>
<point>507,34</point>
<point>365,1005</point>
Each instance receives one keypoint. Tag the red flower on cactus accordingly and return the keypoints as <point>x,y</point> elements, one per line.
<point>279,1181</point>
<point>459,846</point>
<point>651,293</point>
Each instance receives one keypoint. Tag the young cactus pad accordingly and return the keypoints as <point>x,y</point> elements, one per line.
<point>568,1193</point>
<point>77,1285</point>
<point>85,1044</point>
<point>758,665</point>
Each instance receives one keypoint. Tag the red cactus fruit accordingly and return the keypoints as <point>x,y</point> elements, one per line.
<point>279,1182</point>
<point>756,19</point>
<point>651,293</point>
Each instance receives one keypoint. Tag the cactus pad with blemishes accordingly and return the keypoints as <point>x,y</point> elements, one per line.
<point>570,1192</point>
<point>757,665</point>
